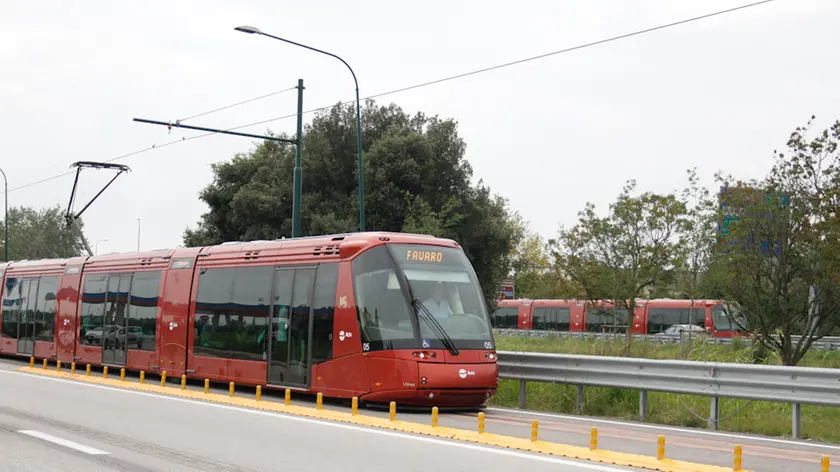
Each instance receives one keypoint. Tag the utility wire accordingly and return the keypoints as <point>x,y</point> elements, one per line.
<point>158,146</point>
<point>520,61</point>
<point>433,82</point>
<point>239,103</point>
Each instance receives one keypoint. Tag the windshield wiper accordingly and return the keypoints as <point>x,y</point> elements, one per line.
<point>419,307</point>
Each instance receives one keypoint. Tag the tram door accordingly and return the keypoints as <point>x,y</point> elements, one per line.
<point>114,329</point>
<point>26,317</point>
<point>291,327</point>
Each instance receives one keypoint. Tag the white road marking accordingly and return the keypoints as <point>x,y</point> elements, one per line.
<point>63,442</point>
<point>664,428</point>
<point>522,455</point>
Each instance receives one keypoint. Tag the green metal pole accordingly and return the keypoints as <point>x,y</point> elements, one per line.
<point>359,151</point>
<point>298,151</point>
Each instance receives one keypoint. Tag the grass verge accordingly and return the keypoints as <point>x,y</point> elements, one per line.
<point>773,419</point>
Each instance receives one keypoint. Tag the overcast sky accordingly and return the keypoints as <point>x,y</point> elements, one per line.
<point>718,94</point>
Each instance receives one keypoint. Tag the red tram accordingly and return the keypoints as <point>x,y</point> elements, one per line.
<point>650,317</point>
<point>381,316</point>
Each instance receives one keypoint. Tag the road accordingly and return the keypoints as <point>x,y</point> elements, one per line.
<point>36,402</point>
<point>49,424</point>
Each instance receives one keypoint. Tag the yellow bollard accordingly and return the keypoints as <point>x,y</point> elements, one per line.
<point>319,401</point>
<point>660,448</point>
<point>45,363</point>
<point>434,417</point>
<point>105,372</point>
<point>183,382</point>
<point>32,362</point>
<point>58,366</point>
<point>87,370</point>
<point>392,411</point>
<point>593,439</point>
<point>163,379</point>
<point>736,463</point>
<point>142,376</point>
<point>206,385</point>
<point>480,422</point>
<point>232,387</point>
<point>288,398</point>
<point>259,392</point>
<point>535,430</point>
<point>355,406</point>
<point>72,367</point>
<point>122,374</point>
<point>826,464</point>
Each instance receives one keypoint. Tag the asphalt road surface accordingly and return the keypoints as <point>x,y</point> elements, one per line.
<point>207,432</point>
<point>49,424</point>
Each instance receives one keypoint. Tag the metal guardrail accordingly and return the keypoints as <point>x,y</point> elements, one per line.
<point>827,343</point>
<point>794,385</point>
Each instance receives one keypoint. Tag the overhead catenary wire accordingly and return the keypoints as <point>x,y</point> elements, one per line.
<point>238,103</point>
<point>158,146</point>
<point>432,82</point>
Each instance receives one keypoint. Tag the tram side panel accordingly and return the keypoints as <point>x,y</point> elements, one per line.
<point>173,317</point>
<point>346,374</point>
<point>7,342</point>
<point>66,327</point>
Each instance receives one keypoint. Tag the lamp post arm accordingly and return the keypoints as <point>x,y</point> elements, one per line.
<point>317,50</point>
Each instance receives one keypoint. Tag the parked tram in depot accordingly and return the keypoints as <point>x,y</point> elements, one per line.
<point>381,316</point>
<point>651,316</point>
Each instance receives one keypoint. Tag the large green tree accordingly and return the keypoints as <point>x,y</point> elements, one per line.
<point>617,258</point>
<point>535,275</point>
<point>416,180</point>
<point>40,234</point>
<point>778,256</point>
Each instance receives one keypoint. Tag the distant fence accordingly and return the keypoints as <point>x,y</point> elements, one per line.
<point>828,343</point>
<point>794,385</point>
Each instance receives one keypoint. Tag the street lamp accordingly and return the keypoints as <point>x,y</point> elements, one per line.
<point>6,218</point>
<point>96,246</point>
<point>254,30</point>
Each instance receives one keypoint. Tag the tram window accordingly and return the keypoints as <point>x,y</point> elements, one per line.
<point>93,310</point>
<point>505,317</point>
<point>606,319</point>
<point>559,318</point>
<point>11,305</point>
<point>326,284</point>
<point>540,321</point>
<point>142,310</point>
<point>116,303</point>
<point>723,322</point>
<point>212,313</point>
<point>45,309</point>
<point>247,336</point>
<point>660,319</point>
<point>383,312</point>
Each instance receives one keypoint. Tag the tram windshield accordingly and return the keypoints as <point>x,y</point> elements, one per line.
<point>729,318</point>
<point>447,305</point>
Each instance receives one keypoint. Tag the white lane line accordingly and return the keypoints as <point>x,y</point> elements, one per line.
<point>443,442</point>
<point>63,442</point>
<point>664,428</point>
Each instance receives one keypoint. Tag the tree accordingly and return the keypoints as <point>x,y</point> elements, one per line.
<point>40,234</point>
<point>617,258</point>
<point>530,264</point>
<point>532,268</point>
<point>698,241</point>
<point>777,261</point>
<point>416,180</point>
